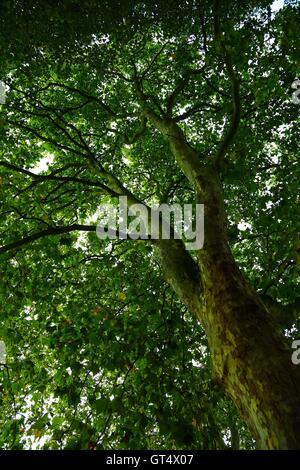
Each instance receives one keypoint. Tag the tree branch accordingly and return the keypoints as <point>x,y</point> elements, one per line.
<point>235,90</point>
<point>180,87</point>
<point>45,233</point>
<point>195,109</point>
<point>148,68</point>
<point>52,177</point>
<point>203,27</point>
<point>236,113</point>
<point>285,315</point>
<point>185,155</point>
<point>81,93</point>
<point>131,140</point>
<point>44,138</point>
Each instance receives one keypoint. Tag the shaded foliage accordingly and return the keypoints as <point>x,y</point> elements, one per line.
<point>101,353</point>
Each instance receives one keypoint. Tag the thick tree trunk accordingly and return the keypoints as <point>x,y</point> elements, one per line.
<point>250,358</point>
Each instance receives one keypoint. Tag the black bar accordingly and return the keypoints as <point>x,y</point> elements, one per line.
<point>153,458</point>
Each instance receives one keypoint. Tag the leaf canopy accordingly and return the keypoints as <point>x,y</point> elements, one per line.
<point>100,350</point>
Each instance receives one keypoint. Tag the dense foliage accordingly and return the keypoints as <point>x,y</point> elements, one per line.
<point>101,353</point>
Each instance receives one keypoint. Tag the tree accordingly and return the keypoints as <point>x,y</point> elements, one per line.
<point>132,344</point>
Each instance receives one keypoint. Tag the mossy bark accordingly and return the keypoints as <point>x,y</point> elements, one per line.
<point>251,360</point>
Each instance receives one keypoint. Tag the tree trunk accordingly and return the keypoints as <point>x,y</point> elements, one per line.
<point>250,358</point>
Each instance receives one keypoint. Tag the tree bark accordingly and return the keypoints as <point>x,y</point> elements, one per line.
<point>251,360</point>
<point>250,357</point>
